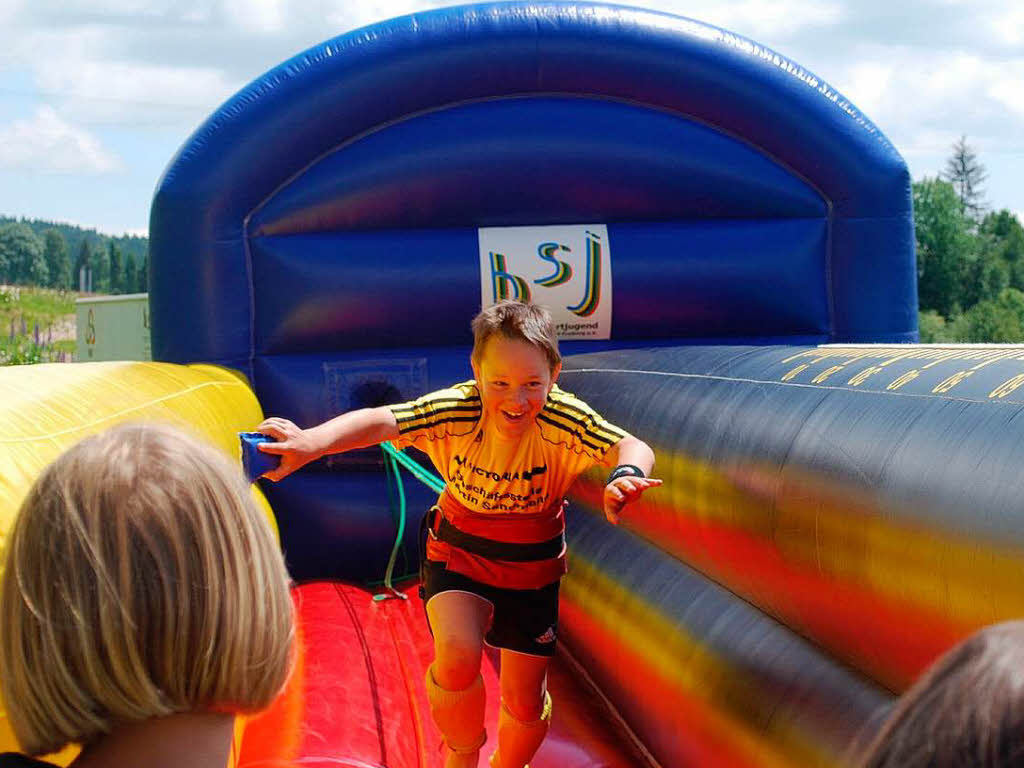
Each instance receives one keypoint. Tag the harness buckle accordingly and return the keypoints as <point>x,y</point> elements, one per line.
<point>434,512</point>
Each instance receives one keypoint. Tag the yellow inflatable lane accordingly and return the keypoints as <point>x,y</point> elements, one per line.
<point>44,409</point>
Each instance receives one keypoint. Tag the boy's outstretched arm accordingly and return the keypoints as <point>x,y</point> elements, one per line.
<point>626,489</point>
<point>297,447</point>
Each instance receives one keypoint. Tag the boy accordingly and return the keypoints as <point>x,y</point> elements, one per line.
<point>508,444</point>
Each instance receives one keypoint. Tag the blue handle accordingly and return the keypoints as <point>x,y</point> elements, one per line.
<point>254,461</point>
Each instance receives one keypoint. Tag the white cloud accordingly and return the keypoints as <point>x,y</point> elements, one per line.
<point>924,100</point>
<point>1007,25</point>
<point>47,143</point>
<point>868,84</point>
<point>345,15</point>
<point>9,9</point>
<point>95,90</point>
<point>264,16</point>
<point>762,21</point>
<point>1007,86</point>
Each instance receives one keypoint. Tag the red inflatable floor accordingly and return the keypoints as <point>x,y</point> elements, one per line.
<point>356,697</point>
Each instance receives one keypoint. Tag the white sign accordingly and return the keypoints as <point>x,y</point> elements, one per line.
<point>567,268</point>
<point>112,328</point>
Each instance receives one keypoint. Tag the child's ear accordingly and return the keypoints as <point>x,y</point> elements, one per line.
<point>476,370</point>
<point>555,371</point>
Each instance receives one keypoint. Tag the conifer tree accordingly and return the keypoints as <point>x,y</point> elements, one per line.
<point>967,174</point>
<point>116,268</point>
<point>130,283</point>
<point>143,285</point>
<point>57,260</point>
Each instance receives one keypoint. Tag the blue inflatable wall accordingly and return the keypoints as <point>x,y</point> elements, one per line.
<point>319,231</point>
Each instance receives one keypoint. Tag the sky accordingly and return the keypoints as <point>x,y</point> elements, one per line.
<point>96,96</point>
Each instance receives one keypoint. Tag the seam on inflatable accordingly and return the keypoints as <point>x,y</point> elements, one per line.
<point>540,94</point>
<point>581,671</point>
<point>830,294</point>
<point>250,285</point>
<point>371,672</point>
<point>118,414</point>
<point>410,692</point>
<point>740,380</point>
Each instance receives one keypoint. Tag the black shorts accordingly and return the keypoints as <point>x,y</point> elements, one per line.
<point>523,620</point>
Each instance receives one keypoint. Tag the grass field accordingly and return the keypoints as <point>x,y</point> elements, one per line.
<point>37,325</point>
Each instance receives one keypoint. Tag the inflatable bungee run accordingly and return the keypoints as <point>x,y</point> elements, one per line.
<point>728,245</point>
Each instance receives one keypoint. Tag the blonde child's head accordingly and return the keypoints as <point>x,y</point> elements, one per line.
<point>514,320</point>
<point>139,581</point>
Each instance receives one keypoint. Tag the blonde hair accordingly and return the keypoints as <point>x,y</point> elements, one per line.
<point>140,581</point>
<point>512,319</point>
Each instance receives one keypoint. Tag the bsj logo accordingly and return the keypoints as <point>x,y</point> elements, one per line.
<point>506,285</point>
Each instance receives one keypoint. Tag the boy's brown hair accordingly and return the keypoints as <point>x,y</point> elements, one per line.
<point>518,321</point>
<point>140,580</point>
<point>966,711</point>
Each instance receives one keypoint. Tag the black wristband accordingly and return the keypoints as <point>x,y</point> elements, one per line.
<point>625,470</point>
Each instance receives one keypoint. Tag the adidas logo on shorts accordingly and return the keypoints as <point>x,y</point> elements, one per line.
<point>547,637</point>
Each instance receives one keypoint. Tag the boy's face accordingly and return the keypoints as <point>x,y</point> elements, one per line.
<point>514,380</point>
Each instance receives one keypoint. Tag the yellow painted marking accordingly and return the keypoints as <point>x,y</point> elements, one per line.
<point>864,375</point>
<point>817,354</point>
<point>946,355</point>
<point>1002,355</point>
<point>896,359</point>
<point>1008,387</point>
<point>820,378</point>
<point>947,384</point>
<point>795,372</point>
<point>906,378</point>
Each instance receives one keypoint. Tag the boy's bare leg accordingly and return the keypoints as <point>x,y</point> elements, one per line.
<point>525,709</point>
<point>459,621</point>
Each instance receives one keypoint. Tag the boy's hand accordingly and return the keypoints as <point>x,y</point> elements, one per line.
<point>622,491</point>
<point>294,445</point>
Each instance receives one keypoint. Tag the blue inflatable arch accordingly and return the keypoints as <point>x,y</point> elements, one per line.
<point>320,231</point>
<point>336,198</point>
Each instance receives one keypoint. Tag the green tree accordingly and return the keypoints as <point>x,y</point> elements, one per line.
<point>143,285</point>
<point>101,270</point>
<point>130,282</point>
<point>116,268</point>
<point>932,327</point>
<point>944,246</point>
<point>58,263</point>
<point>985,276</point>
<point>967,175</point>
<point>22,255</point>
<point>1002,233</point>
<point>999,320</point>
<point>5,263</point>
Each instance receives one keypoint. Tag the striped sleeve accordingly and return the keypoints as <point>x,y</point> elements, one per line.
<point>568,420</point>
<point>444,413</point>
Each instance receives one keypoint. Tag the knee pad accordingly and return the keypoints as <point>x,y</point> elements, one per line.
<point>518,740</point>
<point>459,715</point>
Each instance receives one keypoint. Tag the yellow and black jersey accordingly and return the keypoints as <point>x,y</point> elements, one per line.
<point>490,475</point>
